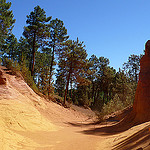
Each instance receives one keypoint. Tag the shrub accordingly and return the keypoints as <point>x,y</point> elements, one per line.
<point>113,105</point>
<point>12,65</point>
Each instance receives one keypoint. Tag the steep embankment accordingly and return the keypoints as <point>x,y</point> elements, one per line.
<point>29,122</point>
<point>24,115</point>
<point>18,112</point>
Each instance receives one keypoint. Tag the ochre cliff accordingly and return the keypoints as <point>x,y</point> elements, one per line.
<point>141,106</point>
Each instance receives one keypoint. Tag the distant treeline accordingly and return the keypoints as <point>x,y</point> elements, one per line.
<point>59,65</point>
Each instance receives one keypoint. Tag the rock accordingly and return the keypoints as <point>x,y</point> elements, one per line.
<point>141,106</point>
<point>2,79</point>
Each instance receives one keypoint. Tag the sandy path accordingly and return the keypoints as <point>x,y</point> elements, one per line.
<point>67,138</point>
<point>74,138</point>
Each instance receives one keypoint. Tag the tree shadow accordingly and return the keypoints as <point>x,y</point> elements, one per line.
<point>141,137</point>
<point>126,123</point>
<point>84,124</point>
<point>97,128</point>
<point>110,121</point>
<point>134,141</point>
<point>102,131</point>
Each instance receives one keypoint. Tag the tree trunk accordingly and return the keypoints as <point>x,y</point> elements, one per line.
<point>52,61</point>
<point>71,90</point>
<point>93,87</point>
<point>33,56</point>
<point>67,85</point>
<point>51,68</point>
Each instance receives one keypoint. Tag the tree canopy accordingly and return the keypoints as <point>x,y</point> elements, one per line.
<point>6,22</point>
<point>56,65</point>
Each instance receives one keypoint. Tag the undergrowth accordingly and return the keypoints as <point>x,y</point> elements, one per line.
<point>21,70</point>
<point>113,105</point>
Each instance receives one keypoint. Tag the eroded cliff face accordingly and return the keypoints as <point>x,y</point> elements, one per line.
<point>2,78</point>
<point>141,106</point>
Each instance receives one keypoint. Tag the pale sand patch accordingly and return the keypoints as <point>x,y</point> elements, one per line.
<point>17,116</point>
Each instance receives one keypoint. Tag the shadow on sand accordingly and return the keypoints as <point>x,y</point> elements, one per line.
<point>108,128</point>
<point>84,124</point>
<point>141,137</point>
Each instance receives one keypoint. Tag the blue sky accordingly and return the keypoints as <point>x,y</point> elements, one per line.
<point>114,29</point>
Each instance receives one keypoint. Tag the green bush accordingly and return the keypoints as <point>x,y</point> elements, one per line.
<point>113,105</point>
<point>83,100</point>
<point>12,65</point>
<point>27,77</point>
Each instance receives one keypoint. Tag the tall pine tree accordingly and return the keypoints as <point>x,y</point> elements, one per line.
<point>74,64</point>
<point>36,31</point>
<point>58,34</point>
<point>6,22</point>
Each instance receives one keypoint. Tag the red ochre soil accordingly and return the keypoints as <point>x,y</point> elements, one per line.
<point>29,122</point>
<point>141,107</point>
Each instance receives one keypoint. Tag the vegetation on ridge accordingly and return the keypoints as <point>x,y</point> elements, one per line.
<point>53,63</point>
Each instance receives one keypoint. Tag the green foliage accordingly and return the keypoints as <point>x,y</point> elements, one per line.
<point>106,83</point>
<point>10,48</point>
<point>12,65</point>
<point>101,77</point>
<point>58,35</point>
<point>42,69</point>
<point>123,86</point>
<point>113,105</point>
<point>132,67</point>
<point>91,83</point>
<point>20,70</point>
<point>56,98</point>
<point>24,51</point>
<point>58,32</point>
<point>60,82</point>
<point>36,32</point>
<point>73,62</point>
<point>25,72</point>
<point>6,21</point>
<point>83,99</point>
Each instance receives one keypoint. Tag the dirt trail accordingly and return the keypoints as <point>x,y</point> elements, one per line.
<point>29,122</point>
<point>64,139</point>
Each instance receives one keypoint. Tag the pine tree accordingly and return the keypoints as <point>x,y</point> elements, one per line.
<point>58,34</point>
<point>42,70</point>
<point>132,67</point>
<point>24,51</point>
<point>107,83</point>
<point>60,81</point>
<point>120,85</point>
<point>94,63</point>
<point>74,63</point>
<point>11,47</point>
<point>36,31</point>
<point>6,22</point>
